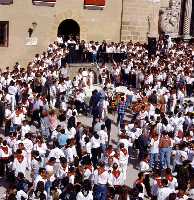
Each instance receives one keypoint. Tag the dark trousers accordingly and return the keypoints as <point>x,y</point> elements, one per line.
<point>3,166</point>
<point>120,120</point>
<point>147,184</point>
<point>189,90</point>
<point>7,127</point>
<point>101,192</point>
<point>96,153</point>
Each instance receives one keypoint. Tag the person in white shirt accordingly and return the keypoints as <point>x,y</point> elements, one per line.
<point>5,153</point>
<point>103,138</point>
<point>25,128</point>
<point>56,152</point>
<point>41,147</point>
<point>19,164</point>
<point>101,177</point>
<point>165,191</point>
<point>172,181</point>
<point>70,151</point>
<point>28,145</point>
<point>42,177</point>
<point>123,160</point>
<point>154,151</point>
<point>116,176</point>
<point>95,143</point>
<point>86,191</point>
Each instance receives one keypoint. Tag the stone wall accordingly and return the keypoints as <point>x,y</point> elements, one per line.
<point>135,23</point>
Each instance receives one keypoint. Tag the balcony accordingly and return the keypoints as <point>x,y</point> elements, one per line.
<point>6,2</point>
<point>94,4</point>
<point>50,3</point>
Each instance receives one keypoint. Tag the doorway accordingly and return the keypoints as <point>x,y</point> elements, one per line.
<point>69,28</point>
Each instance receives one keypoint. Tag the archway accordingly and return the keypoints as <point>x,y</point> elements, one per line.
<point>69,28</point>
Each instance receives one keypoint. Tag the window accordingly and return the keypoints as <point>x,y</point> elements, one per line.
<point>94,4</point>
<point>6,2</point>
<point>50,3</point>
<point>4,33</point>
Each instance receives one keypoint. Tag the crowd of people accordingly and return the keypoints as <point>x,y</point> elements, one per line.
<point>91,52</point>
<point>47,153</point>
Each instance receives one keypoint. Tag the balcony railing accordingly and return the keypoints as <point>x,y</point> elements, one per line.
<point>50,3</point>
<point>6,2</point>
<point>94,4</point>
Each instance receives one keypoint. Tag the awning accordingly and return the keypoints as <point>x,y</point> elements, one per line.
<point>50,3</point>
<point>6,2</point>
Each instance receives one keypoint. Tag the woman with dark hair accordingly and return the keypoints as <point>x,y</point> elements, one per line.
<point>68,193</point>
<point>40,192</point>
<point>86,191</point>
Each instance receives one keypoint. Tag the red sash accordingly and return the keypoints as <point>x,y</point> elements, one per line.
<point>170,178</point>
<point>159,182</point>
<point>5,149</point>
<point>124,151</point>
<point>116,173</point>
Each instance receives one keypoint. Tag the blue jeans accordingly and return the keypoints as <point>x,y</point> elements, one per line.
<point>165,154</point>
<point>13,128</point>
<point>153,159</point>
<point>120,119</point>
<point>94,58</point>
<point>101,192</point>
<point>129,99</point>
<point>103,149</point>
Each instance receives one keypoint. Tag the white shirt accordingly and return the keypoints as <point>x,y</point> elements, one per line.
<point>19,167</point>
<point>144,166</point>
<point>21,194</point>
<point>41,149</point>
<point>154,146</point>
<point>103,136</point>
<point>163,193</point>
<point>56,153</point>
<point>101,178</point>
<point>113,180</point>
<point>95,142</point>
<point>80,196</point>
<point>28,145</point>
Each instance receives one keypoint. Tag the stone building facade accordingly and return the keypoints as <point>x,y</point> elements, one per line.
<point>118,20</point>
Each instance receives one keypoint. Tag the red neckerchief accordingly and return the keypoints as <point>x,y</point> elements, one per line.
<point>101,170</point>
<point>124,151</point>
<point>109,151</point>
<point>89,167</point>
<point>159,181</point>
<point>116,173</point>
<point>18,112</point>
<point>138,181</point>
<point>116,156</point>
<point>5,149</point>
<point>71,174</point>
<point>20,158</point>
<point>169,178</point>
